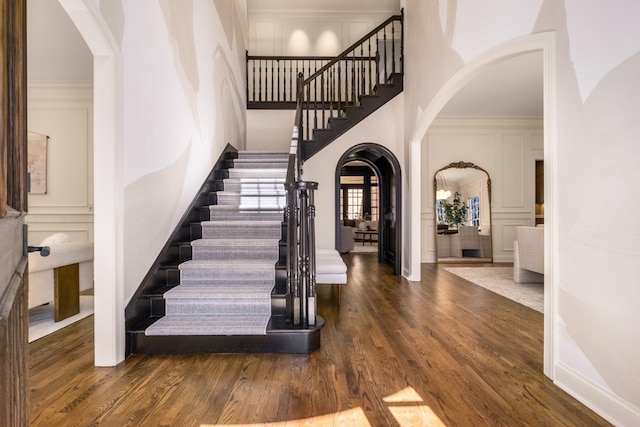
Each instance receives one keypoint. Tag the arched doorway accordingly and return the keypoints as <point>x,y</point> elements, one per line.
<point>545,42</point>
<point>389,216</point>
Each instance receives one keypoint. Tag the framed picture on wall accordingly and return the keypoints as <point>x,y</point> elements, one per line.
<point>37,162</point>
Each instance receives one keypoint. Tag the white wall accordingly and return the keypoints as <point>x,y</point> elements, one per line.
<point>55,49</point>
<point>64,112</point>
<point>507,149</point>
<point>269,130</point>
<point>592,333</point>
<point>324,33</point>
<point>183,102</point>
<point>383,127</point>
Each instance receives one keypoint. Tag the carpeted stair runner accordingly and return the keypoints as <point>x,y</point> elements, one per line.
<point>225,289</point>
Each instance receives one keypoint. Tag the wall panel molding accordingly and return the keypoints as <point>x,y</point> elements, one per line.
<point>64,112</point>
<point>506,147</point>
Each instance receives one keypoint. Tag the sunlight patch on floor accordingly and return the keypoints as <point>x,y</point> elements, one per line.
<point>407,415</point>
<point>352,417</point>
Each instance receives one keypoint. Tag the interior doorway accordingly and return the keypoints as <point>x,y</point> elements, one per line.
<point>359,204</point>
<point>380,169</point>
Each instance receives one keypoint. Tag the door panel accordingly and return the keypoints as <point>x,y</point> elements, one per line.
<point>14,321</point>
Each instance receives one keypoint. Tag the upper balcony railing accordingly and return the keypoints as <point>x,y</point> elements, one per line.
<point>330,82</point>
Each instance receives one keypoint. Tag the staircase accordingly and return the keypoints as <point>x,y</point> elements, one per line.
<point>225,292</point>
<point>332,94</point>
<point>234,276</point>
<point>352,114</point>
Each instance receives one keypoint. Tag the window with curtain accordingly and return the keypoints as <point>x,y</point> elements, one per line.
<point>474,211</point>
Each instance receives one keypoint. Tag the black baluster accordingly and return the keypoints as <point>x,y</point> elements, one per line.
<point>377,59</point>
<point>369,62</point>
<point>384,33</point>
<point>354,81</point>
<point>339,94</point>
<point>246,73</point>
<point>402,41</point>
<point>362,75</point>
<point>272,85</point>
<point>322,88</point>
<point>393,48</point>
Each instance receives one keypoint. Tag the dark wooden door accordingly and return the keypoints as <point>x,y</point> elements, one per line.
<point>14,316</point>
<point>388,238</point>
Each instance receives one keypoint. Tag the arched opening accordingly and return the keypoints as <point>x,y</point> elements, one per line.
<point>388,222</point>
<point>545,42</point>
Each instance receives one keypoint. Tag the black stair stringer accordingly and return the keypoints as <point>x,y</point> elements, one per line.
<point>147,302</point>
<point>351,115</point>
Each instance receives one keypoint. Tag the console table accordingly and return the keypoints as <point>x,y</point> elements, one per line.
<point>366,233</point>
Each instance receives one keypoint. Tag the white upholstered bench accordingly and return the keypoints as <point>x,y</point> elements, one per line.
<point>331,269</point>
<point>61,276</point>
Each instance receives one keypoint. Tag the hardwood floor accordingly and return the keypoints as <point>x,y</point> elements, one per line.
<point>439,352</point>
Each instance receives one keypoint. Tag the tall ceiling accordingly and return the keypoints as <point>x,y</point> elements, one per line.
<point>510,88</point>
<point>324,5</point>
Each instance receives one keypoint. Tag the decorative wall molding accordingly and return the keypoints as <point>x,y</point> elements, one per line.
<point>506,147</point>
<point>59,91</point>
<point>64,112</point>
<point>474,123</point>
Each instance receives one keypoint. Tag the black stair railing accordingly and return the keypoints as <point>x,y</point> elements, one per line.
<point>300,218</point>
<point>273,79</point>
<point>353,74</point>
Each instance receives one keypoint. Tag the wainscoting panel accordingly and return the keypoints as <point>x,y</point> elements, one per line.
<point>78,227</point>
<point>63,112</point>
<point>507,149</point>
<point>513,179</point>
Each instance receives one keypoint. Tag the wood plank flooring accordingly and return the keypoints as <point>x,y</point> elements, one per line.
<point>442,352</point>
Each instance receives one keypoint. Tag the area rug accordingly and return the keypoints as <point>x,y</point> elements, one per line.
<point>41,321</point>
<point>359,248</point>
<point>500,281</point>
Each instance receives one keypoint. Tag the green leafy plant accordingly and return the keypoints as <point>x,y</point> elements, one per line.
<point>455,212</point>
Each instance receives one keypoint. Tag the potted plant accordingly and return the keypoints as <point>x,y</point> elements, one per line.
<point>455,212</point>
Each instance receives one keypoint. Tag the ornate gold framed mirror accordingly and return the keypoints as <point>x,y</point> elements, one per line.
<point>462,203</point>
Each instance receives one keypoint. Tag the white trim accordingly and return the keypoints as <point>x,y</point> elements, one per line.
<point>605,404</point>
<point>550,157</point>
<point>108,189</point>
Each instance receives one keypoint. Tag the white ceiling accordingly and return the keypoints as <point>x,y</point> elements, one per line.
<point>323,5</point>
<point>510,88</point>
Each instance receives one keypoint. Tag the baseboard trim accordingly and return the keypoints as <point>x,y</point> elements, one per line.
<point>608,406</point>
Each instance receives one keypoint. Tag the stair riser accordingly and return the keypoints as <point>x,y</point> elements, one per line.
<point>253,187</point>
<point>213,232</point>
<point>257,173</point>
<point>263,155</point>
<point>218,216</point>
<point>203,307</point>
<point>226,275</point>
<point>268,202</point>
<point>261,164</point>
<point>222,254</point>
